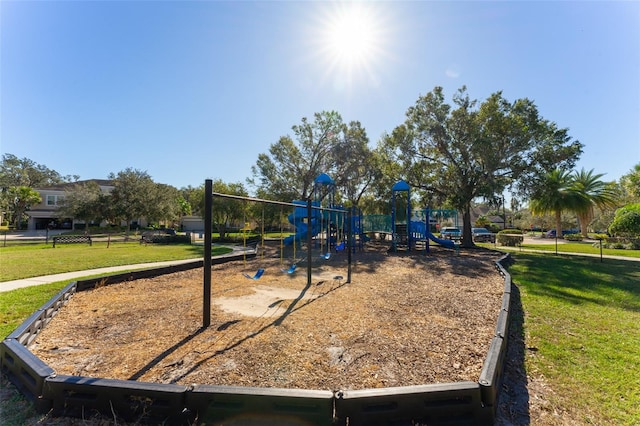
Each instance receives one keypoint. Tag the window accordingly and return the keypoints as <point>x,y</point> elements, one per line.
<point>54,200</point>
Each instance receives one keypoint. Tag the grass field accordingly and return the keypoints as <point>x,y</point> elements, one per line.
<point>26,261</point>
<point>582,328</point>
<point>585,247</point>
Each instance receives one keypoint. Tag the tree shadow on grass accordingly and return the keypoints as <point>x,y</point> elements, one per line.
<point>582,280</point>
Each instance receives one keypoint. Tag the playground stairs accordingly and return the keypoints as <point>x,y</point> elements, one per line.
<point>401,236</point>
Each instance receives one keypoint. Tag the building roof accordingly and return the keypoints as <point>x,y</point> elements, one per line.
<point>69,185</point>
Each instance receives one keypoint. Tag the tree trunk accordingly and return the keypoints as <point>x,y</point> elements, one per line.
<point>467,238</point>
<point>558,224</point>
<point>583,220</point>
<point>222,230</point>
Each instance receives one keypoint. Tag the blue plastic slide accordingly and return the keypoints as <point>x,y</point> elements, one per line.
<point>445,243</point>
<point>298,218</point>
<point>420,228</point>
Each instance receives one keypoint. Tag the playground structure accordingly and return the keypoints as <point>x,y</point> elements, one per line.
<point>312,212</point>
<point>411,228</point>
<point>327,221</point>
<point>467,402</point>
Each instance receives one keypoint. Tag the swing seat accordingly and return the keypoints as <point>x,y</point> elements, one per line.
<point>291,270</point>
<point>256,276</point>
<point>326,256</point>
<point>340,246</point>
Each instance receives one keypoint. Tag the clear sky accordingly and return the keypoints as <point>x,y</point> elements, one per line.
<point>190,90</point>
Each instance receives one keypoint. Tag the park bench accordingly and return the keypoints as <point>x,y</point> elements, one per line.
<point>72,239</point>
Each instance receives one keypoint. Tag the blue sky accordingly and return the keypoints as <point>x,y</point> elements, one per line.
<point>190,90</point>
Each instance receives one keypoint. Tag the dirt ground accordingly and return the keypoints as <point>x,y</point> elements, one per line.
<point>402,320</point>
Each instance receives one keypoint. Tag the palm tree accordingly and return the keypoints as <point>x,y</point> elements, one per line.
<point>557,195</point>
<point>594,193</point>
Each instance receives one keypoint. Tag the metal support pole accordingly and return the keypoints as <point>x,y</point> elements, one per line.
<point>349,236</point>
<point>409,233</point>
<point>600,249</point>
<point>309,241</point>
<point>393,221</point>
<point>208,211</point>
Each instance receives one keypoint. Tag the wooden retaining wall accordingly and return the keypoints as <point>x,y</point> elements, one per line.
<point>78,396</point>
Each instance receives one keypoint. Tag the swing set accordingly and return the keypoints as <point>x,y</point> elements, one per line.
<point>325,243</point>
<point>207,261</point>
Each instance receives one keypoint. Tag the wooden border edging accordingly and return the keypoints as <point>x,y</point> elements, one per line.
<point>216,404</point>
<point>450,403</point>
<point>77,396</point>
<point>491,373</point>
<point>155,272</point>
<point>26,371</point>
<point>29,329</point>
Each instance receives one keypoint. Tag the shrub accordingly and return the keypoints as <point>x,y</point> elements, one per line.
<point>627,221</point>
<point>573,237</point>
<point>507,238</point>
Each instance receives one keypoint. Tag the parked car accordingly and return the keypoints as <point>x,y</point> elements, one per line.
<point>552,233</point>
<point>482,235</point>
<point>450,233</point>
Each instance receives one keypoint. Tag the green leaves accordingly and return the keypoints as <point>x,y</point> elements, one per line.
<point>324,145</point>
<point>471,149</point>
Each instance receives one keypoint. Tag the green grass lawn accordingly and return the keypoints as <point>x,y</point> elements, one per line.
<point>582,320</point>
<point>582,327</point>
<point>566,247</point>
<point>25,261</point>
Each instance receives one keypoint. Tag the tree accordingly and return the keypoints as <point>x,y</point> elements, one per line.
<point>23,198</point>
<point>626,222</point>
<point>475,151</point>
<point>594,193</point>
<point>25,172</point>
<point>132,195</point>
<point>288,171</point>
<point>630,184</point>
<point>164,204</point>
<point>226,211</point>
<point>17,174</point>
<point>355,164</point>
<point>82,202</point>
<point>559,195</point>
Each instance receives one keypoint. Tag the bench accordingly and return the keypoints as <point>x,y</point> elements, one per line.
<point>72,239</point>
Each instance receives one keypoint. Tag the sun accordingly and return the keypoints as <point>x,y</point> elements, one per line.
<point>351,37</point>
<point>349,42</point>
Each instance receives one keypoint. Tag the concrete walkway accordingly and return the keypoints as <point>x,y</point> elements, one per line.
<point>71,276</point>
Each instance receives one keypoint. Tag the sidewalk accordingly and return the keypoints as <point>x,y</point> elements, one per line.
<point>70,276</point>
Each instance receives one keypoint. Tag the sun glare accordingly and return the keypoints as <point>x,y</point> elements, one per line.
<point>349,42</point>
<point>351,37</point>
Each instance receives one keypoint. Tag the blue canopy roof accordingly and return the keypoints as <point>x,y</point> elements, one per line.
<point>324,179</point>
<point>401,186</point>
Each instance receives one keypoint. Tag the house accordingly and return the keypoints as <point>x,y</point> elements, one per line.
<point>44,215</point>
<point>483,210</point>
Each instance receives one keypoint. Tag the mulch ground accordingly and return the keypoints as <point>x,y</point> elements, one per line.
<point>404,319</point>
